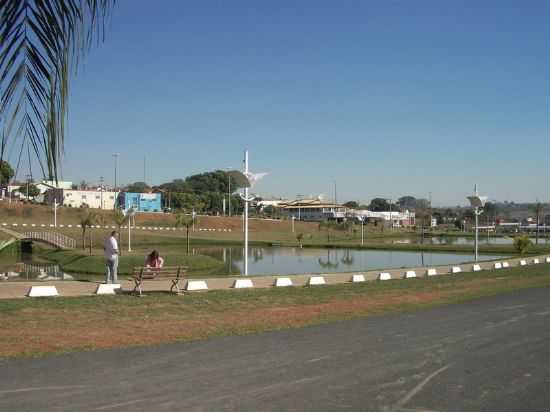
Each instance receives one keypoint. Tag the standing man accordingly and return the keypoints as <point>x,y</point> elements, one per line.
<point>111,254</point>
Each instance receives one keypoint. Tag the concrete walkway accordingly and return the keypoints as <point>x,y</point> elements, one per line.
<point>19,289</point>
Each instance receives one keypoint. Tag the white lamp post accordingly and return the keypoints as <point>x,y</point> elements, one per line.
<point>245,180</point>
<point>55,211</point>
<point>362,231</point>
<point>129,214</point>
<point>477,202</point>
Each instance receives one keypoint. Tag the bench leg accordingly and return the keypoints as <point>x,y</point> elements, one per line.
<point>137,287</point>
<point>175,286</point>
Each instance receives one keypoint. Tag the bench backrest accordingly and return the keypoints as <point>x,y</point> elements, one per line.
<point>154,273</point>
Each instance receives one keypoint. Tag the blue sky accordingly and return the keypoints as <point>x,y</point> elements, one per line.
<point>386,98</point>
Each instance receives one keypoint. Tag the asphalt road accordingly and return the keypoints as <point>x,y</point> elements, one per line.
<point>488,355</point>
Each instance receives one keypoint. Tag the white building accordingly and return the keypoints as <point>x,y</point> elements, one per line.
<point>394,218</point>
<point>95,199</point>
<point>315,210</point>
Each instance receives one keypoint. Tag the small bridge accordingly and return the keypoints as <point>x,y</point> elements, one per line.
<point>58,240</point>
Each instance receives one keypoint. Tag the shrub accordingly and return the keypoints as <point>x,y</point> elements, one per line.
<point>522,244</point>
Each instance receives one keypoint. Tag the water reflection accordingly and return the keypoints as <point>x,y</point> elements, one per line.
<point>291,260</point>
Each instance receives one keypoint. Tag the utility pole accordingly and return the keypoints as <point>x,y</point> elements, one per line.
<point>144,175</point>
<point>229,194</point>
<point>101,190</point>
<point>116,161</point>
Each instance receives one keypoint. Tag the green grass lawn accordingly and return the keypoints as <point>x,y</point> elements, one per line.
<point>39,326</point>
<point>75,262</point>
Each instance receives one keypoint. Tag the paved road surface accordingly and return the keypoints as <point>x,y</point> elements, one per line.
<point>489,355</point>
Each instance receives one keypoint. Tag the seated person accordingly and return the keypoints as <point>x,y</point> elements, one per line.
<point>153,260</point>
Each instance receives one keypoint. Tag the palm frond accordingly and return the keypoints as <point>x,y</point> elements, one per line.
<point>41,44</point>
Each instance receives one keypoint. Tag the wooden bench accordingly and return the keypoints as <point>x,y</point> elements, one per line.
<point>173,273</point>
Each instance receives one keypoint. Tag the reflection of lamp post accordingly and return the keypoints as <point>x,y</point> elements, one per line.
<point>477,202</point>
<point>292,218</point>
<point>362,231</point>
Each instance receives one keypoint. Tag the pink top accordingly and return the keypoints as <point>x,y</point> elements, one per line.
<point>155,263</point>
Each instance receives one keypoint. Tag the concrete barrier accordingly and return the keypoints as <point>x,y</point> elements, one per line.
<point>196,285</point>
<point>316,280</point>
<point>505,265</point>
<point>456,269</point>
<point>431,272</point>
<point>282,282</point>
<point>523,262</point>
<point>476,268</point>
<point>107,288</point>
<point>536,261</point>
<point>42,291</point>
<point>384,276</point>
<point>497,265</point>
<point>358,278</point>
<point>243,283</point>
<point>547,260</point>
<point>409,274</point>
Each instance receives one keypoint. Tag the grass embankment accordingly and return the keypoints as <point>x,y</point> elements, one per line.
<point>74,262</point>
<point>40,326</point>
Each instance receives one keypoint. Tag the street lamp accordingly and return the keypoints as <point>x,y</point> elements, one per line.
<point>116,163</point>
<point>129,213</point>
<point>246,180</point>
<point>477,202</point>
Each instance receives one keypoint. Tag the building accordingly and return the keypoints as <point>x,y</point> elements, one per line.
<point>393,218</point>
<point>140,202</point>
<point>312,210</point>
<point>95,199</point>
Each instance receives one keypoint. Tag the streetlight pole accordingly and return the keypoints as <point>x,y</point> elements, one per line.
<point>362,231</point>
<point>116,164</point>
<point>246,216</point>
<point>55,211</point>
<point>101,190</point>
<point>477,202</point>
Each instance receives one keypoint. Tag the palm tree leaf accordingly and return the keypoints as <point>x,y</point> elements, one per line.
<point>41,43</point>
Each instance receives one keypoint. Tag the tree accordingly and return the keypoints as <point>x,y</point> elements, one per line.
<point>6,172</point>
<point>186,221</point>
<point>352,204</point>
<point>42,42</point>
<point>407,202</point>
<point>87,219</point>
<point>138,187</point>
<point>522,244</point>
<point>31,191</point>
<point>119,218</point>
<point>379,205</point>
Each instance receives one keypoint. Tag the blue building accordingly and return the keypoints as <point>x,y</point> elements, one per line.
<point>140,202</point>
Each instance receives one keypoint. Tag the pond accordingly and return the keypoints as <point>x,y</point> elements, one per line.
<point>293,260</point>
<point>456,240</point>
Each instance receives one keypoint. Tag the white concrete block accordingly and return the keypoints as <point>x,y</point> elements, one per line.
<point>243,283</point>
<point>384,276</point>
<point>358,278</point>
<point>456,269</point>
<point>505,265</point>
<point>195,285</point>
<point>14,224</point>
<point>23,224</point>
<point>69,225</point>
<point>42,225</point>
<point>536,261</point>
<point>41,291</point>
<point>547,260</point>
<point>107,288</point>
<point>316,280</point>
<point>431,272</point>
<point>33,224</point>
<point>523,262</point>
<point>498,265</point>
<point>283,282</point>
<point>476,268</point>
<point>409,274</point>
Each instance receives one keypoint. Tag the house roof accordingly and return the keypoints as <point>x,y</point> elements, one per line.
<point>308,203</point>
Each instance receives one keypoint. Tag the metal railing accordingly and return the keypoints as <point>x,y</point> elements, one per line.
<point>57,239</point>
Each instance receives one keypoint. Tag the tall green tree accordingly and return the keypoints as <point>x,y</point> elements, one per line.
<point>187,221</point>
<point>41,45</point>
<point>6,172</point>
<point>87,219</point>
<point>379,205</point>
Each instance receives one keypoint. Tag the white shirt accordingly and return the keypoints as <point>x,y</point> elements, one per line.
<point>111,248</point>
